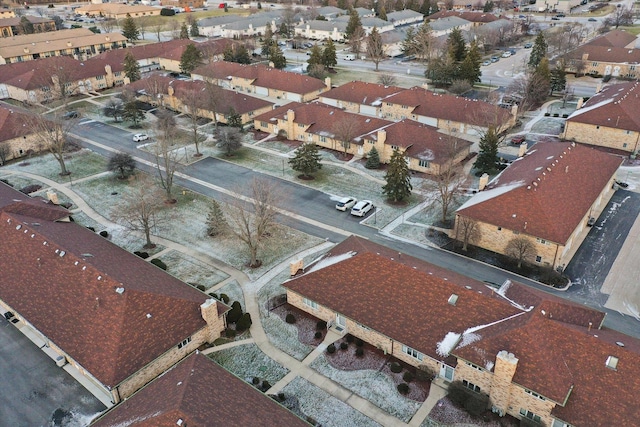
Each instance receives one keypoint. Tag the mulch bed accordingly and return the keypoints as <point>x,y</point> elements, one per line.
<point>447,412</point>
<point>305,323</point>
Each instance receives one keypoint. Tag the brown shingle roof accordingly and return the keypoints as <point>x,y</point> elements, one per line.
<point>449,107</point>
<point>63,278</point>
<point>361,92</point>
<point>202,394</point>
<point>615,55</point>
<point>469,16</point>
<point>615,38</point>
<point>615,106</point>
<point>524,197</point>
<point>13,123</point>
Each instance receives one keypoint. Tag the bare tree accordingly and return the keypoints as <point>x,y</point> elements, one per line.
<point>621,16</point>
<point>167,156</point>
<point>229,139</point>
<point>61,79</point>
<point>375,49</point>
<point>251,222</point>
<point>158,28</point>
<point>387,79</point>
<point>467,229</point>
<point>520,248</point>
<point>356,40</point>
<point>142,209</point>
<point>4,153</point>
<point>174,27</point>
<point>568,94</point>
<point>114,108</point>
<point>529,89</point>
<point>53,135</point>
<point>108,25</point>
<point>345,130</point>
<point>193,100</point>
<point>143,24</point>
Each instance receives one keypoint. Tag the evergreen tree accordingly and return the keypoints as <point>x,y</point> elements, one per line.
<point>190,59</point>
<point>398,186</point>
<point>306,160</point>
<point>277,57</point>
<point>487,159</point>
<point>542,80</point>
<point>235,313</point>
<point>284,30</point>
<point>382,13</point>
<point>375,50</point>
<point>329,58</point>
<point>354,22</point>
<point>26,25</point>
<point>184,31</point>
<point>267,42</point>
<point>242,55</point>
<point>558,78</point>
<point>539,50</point>
<point>425,8</point>
<point>373,159</point>
<point>456,46</point>
<point>409,46</point>
<point>131,69</point>
<point>194,31</point>
<point>130,29</point>
<point>216,222</point>
<point>234,119</point>
<point>470,68</point>
<point>488,7</point>
<point>315,56</point>
<point>132,112</point>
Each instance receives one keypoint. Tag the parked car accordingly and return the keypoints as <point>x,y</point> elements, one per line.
<point>560,15</point>
<point>555,18</point>
<point>528,45</point>
<point>361,208</point>
<point>592,20</point>
<point>495,58</point>
<point>345,203</point>
<point>487,62</point>
<point>518,139</point>
<point>506,54</point>
<point>71,115</point>
<point>140,137</point>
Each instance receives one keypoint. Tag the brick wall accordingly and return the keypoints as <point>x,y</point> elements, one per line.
<point>603,136</point>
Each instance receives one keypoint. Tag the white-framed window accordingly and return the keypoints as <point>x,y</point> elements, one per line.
<point>323,139</point>
<point>424,163</point>
<point>538,258</point>
<point>310,303</point>
<point>474,366</point>
<point>534,394</point>
<point>184,342</point>
<point>361,326</point>
<point>558,423</point>
<point>394,147</point>
<point>412,352</point>
<point>542,241</point>
<point>471,386</point>
<point>530,415</point>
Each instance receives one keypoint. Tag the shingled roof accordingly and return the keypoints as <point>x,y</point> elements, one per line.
<point>524,197</point>
<point>615,38</point>
<point>107,309</point>
<point>362,93</point>
<point>13,123</point>
<point>616,106</point>
<point>481,17</point>
<point>201,394</point>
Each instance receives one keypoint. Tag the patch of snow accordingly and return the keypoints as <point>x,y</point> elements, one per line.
<point>488,366</point>
<point>632,309</point>
<point>483,196</point>
<point>425,155</point>
<point>591,107</point>
<point>469,338</point>
<point>503,291</point>
<point>326,262</point>
<point>445,346</point>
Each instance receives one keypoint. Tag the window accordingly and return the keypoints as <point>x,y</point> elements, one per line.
<point>528,414</point>
<point>300,125</point>
<point>499,228</point>
<point>598,127</point>
<point>594,64</point>
<point>184,343</point>
<point>612,362</point>
<point>538,258</point>
<point>394,147</point>
<point>424,163</point>
<point>544,242</point>
<point>264,124</point>
<point>558,423</point>
<point>471,386</point>
<point>534,394</point>
<point>310,303</point>
<point>624,145</point>
<point>361,326</point>
<point>474,366</point>
<point>323,139</point>
<point>412,352</point>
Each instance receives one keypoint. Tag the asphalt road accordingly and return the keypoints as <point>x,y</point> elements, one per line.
<point>302,202</point>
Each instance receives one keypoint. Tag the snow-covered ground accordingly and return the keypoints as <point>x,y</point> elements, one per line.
<point>248,361</point>
<point>191,270</point>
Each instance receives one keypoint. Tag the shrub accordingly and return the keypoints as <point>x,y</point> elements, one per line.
<point>244,323</point>
<point>321,324</point>
<point>104,233</point>
<point>407,377</point>
<point>344,345</point>
<point>317,335</point>
<point>224,298</point>
<point>359,342</point>
<point>359,352</point>
<point>158,263</point>
<point>350,338</point>
<point>556,114</point>
<point>475,404</point>
<point>526,422</point>
<point>458,393</point>
<point>425,373</point>
<point>30,188</point>
<point>235,313</point>
<point>143,255</point>
<point>230,333</point>
<point>201,287</point>
<point>281,396</point>
<point>395,367</point>
<point>403,388</point>
<point>92,229</point>
<point>331,348</point>
<point>213,294</point>
<point>547,114</point>
<point>167,12</point>
<point>265,385</point>
<point>564,116</point>
<point>290,318</point>
<point>255,380</point>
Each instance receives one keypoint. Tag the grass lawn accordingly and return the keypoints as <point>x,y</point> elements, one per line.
<point>248,361</point>
<point>80,163</point>
<point>192,271</point>
<point>234,292</point>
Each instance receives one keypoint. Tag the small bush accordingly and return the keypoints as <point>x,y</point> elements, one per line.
<point>564,116</point>
<point>395,367</point>
<point>350,338</point>
<point>331,348</point>
<point>317,335</point>
<point>167,12</point>
<point>458,393</point>
<point>104,233</point>
<point>244,323</point>
<point>230,333</point>
<point>359,342</point>
<point>403,388</point>
<point>158,263</point>
<point>213,294</point>
<point>235,313</point>
<point>255,381</point>
<point>344,345</point>
<point>407,377</point>
<point>200,287</point>
<point>359,352</point>
<point>425,373</point>
<point>321,324</point>
<point>547,114</point>
<point>30,188</point>
<point>265,385</point>
<point>92,229</point>
<point>224,298</point>
<point>290,318</point>
<point>476,404</point>
<point>556,114</point>
<point>143,255</point>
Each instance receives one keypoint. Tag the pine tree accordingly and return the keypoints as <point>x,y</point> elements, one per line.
<point>409,46</point>
<point>131,69</point>
<point>425,8</point>
<point>329,58</point>
<point>184,31</point>
<point>306,160</point>
<point>487,159</point>
<point>558,78</point>
<point>234,119</point>
<point>382,14</point>
<point>194,31</point>
<point>277,57</point>
<point>398,186</point>
<point>190,59</point>
<point>216,222</point>
<point>267,42</point>
<point>130,29</point>
<point>456,45</point>
<point>539,50</point>
<point>373,159</point>
<point>542,80</point>
<point>315,56</point>
<point>354,22</point>
<point>132,112</point>
<point>26,25</point>
<point>470,68</point>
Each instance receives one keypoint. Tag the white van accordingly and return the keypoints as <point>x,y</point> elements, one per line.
<point>350,57</point>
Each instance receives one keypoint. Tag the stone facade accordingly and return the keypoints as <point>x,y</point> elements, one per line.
<point>602,136</point>
<point>19,147</point>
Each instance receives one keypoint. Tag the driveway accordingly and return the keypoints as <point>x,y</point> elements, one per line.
<point>592,262</point>
<point>36,392</point>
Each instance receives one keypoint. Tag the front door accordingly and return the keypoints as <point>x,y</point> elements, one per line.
<point>446,372</point>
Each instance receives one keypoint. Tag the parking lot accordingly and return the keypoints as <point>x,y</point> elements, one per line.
<point>36,392</point>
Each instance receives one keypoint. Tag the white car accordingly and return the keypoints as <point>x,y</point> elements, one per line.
<point>140,137</point>
<point>361,208</point>
<point>345,203</point>
<point>506,54</point>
